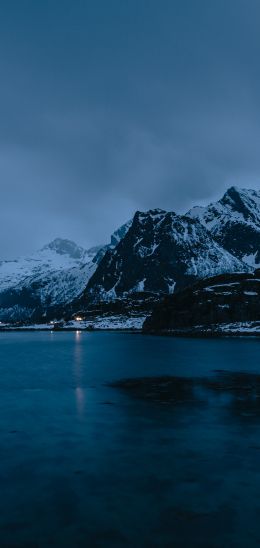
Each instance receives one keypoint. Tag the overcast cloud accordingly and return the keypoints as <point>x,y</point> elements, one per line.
<point>111,106</point>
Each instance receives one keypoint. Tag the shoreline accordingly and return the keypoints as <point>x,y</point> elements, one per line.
<point>194,334</point>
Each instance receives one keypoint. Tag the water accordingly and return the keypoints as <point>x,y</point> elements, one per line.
<point>87,465</point>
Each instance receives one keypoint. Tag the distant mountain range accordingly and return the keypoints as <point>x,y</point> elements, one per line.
<point>51,278</point>
<point>156,253</point>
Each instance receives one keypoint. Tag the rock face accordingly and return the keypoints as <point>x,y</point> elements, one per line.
<point>160,253</point>
<point>223,299</point>
<point>234,222</point>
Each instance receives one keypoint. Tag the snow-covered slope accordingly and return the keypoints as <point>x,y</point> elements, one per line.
<point>160,252</point>
<point>50,278</point>
<point>234,221</point>
<point>114,240</point>
<point>58,256</point>
<point>53,276</point>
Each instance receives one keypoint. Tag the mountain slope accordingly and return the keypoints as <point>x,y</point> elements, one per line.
<point>50,278</point>
<point>234,221</point>
<point>60,255</point>
<point>160,252</point>
<point>224,299</point>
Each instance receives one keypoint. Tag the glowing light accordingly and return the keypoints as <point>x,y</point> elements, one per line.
<point>78,318</point>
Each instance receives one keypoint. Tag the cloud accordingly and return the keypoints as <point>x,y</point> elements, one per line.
<point>115,107</point>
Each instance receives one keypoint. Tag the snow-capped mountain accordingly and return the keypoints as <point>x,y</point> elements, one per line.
<point>59,255</point>
<point>155,253</point>
<point>234,221</point>
<point>114,240</point>
<point>52,277</point>
<point>161,252</point>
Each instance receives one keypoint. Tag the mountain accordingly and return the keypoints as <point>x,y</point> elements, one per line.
<point>54,275</point>
<point>118,235</point>
<point>154,254</point>
<point>51,278</point>
<point>57,256</point>
<point>234,221</point>
<point>228,299</point>
<point>160,253</point>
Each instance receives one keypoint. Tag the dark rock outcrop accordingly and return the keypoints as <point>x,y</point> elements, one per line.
<point>222,299</point>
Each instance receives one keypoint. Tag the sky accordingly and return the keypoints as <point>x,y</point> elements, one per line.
<point>108,107</point>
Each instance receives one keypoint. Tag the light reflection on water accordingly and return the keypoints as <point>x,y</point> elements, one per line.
<point>83,464</point>
<point>77,366</point>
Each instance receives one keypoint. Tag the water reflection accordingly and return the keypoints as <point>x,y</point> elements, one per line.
<point>80,401</point>
<point>236,392</point>
<point>77,371</point>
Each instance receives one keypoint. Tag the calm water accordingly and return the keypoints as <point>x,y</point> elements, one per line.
<point>86,465</point>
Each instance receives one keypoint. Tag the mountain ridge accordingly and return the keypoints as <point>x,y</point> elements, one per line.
<point>234,221</point>
<point>157,252</point>
<point>160,252</point>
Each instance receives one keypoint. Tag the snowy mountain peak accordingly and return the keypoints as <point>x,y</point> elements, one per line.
<point>120,233</point>
<point>160,253</point>
<point>155,212</point>
<point>65,247</point>
<point>152,213</point>
<point>234,221</point>
<point>243,201</point>
<point>51,277</point>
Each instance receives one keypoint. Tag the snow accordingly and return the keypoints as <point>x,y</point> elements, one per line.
<point>120,233</point>
<point>237,207</point>
<point>139,288</point>
<point>153,248</point>
<point>171,285</point>
<point>192,252</point>
<point>56,274</point>
<point>251,259</point>
<point>138,242</point>
<point>100,322</point>
<point>59,273</point>
<point>241,327</point>
<point>39,326</point>
<point>193,268</point>
<point>213,287</point>
<point>111,322</point>
<point>250,293</point>
<point>226,329</point>
<point>145,251</point>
